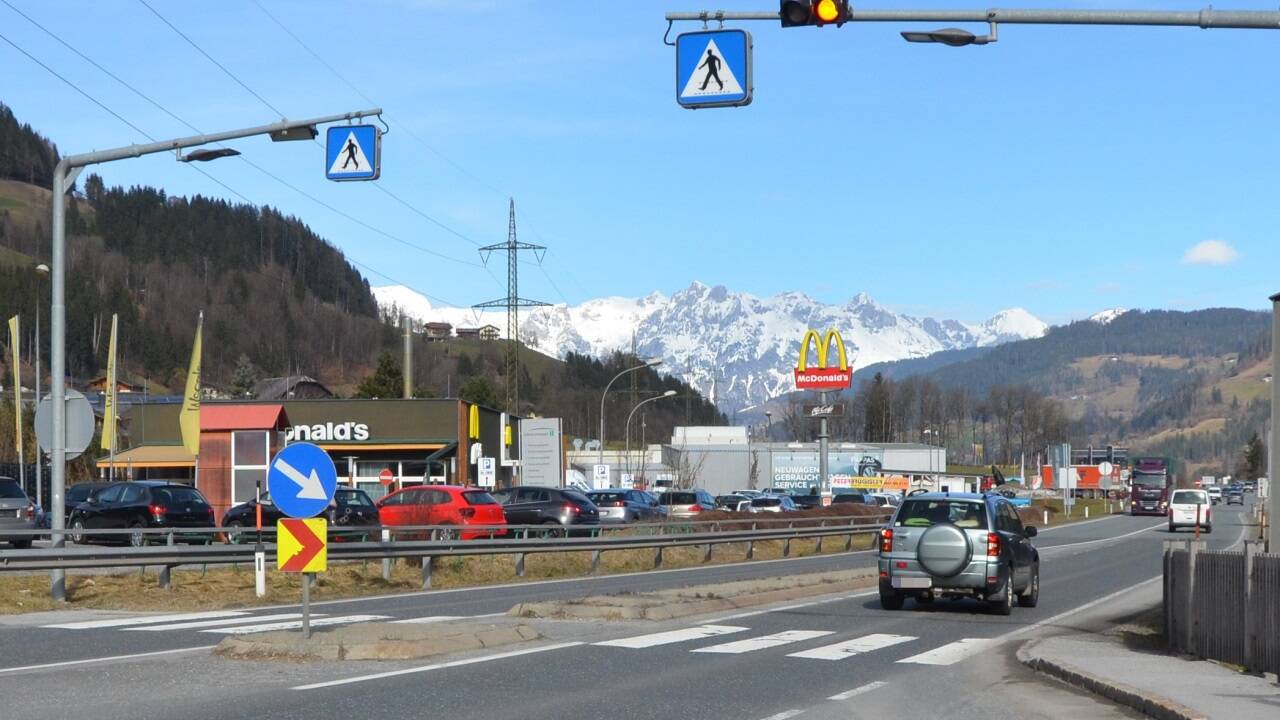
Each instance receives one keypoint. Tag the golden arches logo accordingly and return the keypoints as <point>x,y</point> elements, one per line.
<point>823,343</point>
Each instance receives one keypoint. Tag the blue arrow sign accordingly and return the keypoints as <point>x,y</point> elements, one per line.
<point>353,152</point>
<point>302,480</point>
<point>713,68</point>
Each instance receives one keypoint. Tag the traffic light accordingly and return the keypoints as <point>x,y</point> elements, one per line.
<point>796,13</point>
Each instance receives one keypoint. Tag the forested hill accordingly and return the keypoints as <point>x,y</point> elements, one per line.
<point>25,155</point>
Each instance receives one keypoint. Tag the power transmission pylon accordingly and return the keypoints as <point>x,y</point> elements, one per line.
<point>512,302</point>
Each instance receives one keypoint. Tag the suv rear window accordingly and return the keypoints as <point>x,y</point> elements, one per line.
<point>678,498</point>
<point>478,497</point>
<point>177,496</point>
<point>766,502</point>
<point>607,497</point>
<point>926,513</point>
<point>10,489</point>
<point>578,498</point>
<point>357,498</point>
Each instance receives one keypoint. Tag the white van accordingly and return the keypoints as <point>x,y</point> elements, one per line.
<point>1188,508</point>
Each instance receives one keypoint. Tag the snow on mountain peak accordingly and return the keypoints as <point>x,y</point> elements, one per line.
<point>1106,316</point>
<point>710,335</point>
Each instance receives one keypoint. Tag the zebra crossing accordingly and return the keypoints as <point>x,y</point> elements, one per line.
<point>233,622</point>
<point>947,654</point>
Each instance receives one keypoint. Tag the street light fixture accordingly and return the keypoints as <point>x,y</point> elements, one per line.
<point>955,37</point>
<point>295,132</point>
<point>207,154</point>
<point>651,362</point>
<point>640,404</point>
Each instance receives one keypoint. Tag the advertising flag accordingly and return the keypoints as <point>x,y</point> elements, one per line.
<point>189,418</point>
<point>109,399</point>
<point>17,380</point>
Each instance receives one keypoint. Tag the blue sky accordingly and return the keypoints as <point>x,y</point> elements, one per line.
<point>1065,170</point>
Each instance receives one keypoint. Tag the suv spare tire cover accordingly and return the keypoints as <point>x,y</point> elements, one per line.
<point>943,550</point>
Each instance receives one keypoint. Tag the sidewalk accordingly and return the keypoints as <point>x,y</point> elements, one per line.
<point>1145,679</point>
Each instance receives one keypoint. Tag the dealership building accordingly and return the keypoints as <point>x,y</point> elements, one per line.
<point>376,445</point>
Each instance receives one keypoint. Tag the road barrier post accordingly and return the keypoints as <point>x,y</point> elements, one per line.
<point>520,565</point>
<point>259,569</point>
<point>657,558</point>
<point>426,571</point>
<point>706,554</point>
<point>306,606</point>
<point>166,581</point>
<point>386,562</point>
<point>595,563</point>
<point>1046,516</point>
<point>1086,512</point>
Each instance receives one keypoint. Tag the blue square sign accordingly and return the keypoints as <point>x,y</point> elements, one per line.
<point>713,68</point>
<point>353,152</point>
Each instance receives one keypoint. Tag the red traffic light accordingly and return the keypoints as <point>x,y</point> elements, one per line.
<point>796,13</point>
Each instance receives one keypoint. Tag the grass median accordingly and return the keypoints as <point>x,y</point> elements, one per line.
<point>233,587</point>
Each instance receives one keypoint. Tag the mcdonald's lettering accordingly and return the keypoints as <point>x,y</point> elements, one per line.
<point>822,376</point>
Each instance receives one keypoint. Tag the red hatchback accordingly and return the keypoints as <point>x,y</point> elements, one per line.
<point>443,505</point>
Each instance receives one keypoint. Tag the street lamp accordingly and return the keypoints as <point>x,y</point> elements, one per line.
<point>42,270</point>
<point>955,37</point>
<point>627,455</point>
<point>65,173</point>
<point>768,425</point>
<point>652,362</point>
<point>207,154</point>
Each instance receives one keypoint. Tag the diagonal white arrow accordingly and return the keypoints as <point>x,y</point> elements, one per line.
<point>311,489</point>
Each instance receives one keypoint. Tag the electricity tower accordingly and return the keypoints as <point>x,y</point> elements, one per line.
<point>512,302</point>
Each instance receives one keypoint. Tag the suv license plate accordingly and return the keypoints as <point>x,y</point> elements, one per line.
<point>910,582</point>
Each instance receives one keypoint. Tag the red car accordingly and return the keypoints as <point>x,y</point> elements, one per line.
<point>443,505</point>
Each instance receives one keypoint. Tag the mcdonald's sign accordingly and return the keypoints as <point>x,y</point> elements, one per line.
<point>822,376</point>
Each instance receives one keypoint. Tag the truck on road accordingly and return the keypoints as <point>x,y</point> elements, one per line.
<point>1151,481</point>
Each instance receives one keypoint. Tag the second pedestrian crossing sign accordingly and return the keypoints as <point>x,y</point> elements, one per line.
<point>713,68</point>
<point>353,152</point>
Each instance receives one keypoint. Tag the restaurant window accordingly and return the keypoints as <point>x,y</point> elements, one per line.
<point>250,451</point>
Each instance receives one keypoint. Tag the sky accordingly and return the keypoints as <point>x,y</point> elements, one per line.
<point>1064,170</point>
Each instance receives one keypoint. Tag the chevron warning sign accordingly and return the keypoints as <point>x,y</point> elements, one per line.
<point>302,545</point>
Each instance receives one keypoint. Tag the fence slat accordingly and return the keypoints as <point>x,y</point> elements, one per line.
<point>1222,607</point>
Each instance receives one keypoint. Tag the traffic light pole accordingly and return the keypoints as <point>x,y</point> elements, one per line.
<point>1205,19</point>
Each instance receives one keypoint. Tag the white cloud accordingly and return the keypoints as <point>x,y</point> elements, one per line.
<point>1210,252</point>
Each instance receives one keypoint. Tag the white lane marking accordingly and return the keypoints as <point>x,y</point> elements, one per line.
<point>952,653</point>
<point>1077,609</point>
<point>856,646</point>
<point>784,715</point>
<point>145,620</point>
<point>858,690</point>
<point>438,666</point>
<point>294,625</point>
<point>1078,524</point>
<point>211,623</point>
<point>443,618</point>
<point>671,636</point>
<point>796,606</point>
<point>764,641</point>
<point>1101,540</point>
<point>111,658</point>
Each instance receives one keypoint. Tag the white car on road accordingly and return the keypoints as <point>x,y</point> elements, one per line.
<point>1215,494</point>
<point>1189,508</point>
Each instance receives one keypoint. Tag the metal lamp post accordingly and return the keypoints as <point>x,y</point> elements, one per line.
<point>1273,494</point>
<point>43,271</point>
<point>640,404</point>
<point>654,362</point>
<point>64,175</point>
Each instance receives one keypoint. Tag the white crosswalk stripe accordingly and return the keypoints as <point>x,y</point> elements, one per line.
<point>294,625</point>
<point>215,623</point>
<point>145,620</point>
<point>849,648</point>
<point>672,636</point>
<point>952,653</point>
<point>764,641</point>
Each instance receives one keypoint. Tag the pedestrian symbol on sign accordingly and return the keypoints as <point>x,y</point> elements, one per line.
<point>713,68</point>
<point>352,152</point>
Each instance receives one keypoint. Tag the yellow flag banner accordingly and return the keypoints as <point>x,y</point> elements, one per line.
<point>189,418</point>
<point>109,399</point>
<point>17,380</point>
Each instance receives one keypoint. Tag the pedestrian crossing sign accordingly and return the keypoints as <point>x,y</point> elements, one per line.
<point>713,68</point>
<point>353,152</point>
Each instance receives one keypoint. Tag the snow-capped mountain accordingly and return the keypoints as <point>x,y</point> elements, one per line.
<point>735,346</point>
<point>1106,316</point>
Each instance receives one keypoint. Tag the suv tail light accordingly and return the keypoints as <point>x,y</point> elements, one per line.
<point>695,508</point>
<point>570,507</point>
<point>886,540</point>
<point>993,545</point>
<point>619,504</point>
<point>31,512</point>
<point>467,512</point>
<point>158,511</point>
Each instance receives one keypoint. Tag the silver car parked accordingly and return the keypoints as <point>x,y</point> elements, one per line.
<point>17,512</point>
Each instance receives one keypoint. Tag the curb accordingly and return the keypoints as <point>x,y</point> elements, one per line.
<point>1147,703</point>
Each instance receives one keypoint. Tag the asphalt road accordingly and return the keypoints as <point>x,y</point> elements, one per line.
<point>828,657</point>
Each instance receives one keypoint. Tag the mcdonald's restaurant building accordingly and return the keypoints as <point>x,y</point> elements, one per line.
<point>376,445</point>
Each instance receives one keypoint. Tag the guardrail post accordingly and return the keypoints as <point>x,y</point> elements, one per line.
<point>657,558</point>
<point>817,550</point>
<point>166,581</point>
<point>1086,512</point>
<point>595,562</point>
<point>1046,516</point>
<point>386,561</point>
<point>706,554</point>
<point>1250,549</point>
<point>427,562</point>
<point>786,548</point>
<point>520,565</point>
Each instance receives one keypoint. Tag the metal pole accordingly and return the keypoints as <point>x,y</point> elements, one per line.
<point>306,606</point>
<point>408,357</point>
<point>823,446</point>
<point>39,473</point>
<point>1273,495</point>
<point>1207,18</point>
<point>603,395</point>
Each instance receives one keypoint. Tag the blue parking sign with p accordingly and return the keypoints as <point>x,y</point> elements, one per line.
<point>713,68</point>
<point>353,152</point>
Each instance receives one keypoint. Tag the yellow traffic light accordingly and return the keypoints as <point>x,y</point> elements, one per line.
<point>827,10</point>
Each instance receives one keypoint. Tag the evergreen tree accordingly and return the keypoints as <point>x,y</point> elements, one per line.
<point>478,390</point>
<point>244,377</point>
<point>879,421</point>
<point>1255,458</point>
<point>386,381</point>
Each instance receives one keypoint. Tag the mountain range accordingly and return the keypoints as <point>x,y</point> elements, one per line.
<point>738,347</point>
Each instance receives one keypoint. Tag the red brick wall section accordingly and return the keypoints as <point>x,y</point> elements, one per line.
<point>214,480</point>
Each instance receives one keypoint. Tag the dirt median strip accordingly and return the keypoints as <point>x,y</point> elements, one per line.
<point>698,599</point>
<point>1149,704</point>
<point>375,641</point>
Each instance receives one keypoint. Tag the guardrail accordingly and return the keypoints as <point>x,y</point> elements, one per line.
<point>524,540</point>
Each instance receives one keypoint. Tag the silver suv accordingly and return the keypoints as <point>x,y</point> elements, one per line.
<point>958,545</point>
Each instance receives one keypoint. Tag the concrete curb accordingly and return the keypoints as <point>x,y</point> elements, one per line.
<point>1147,703</point>
<point>374,641</point>
<point>699,600</point>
